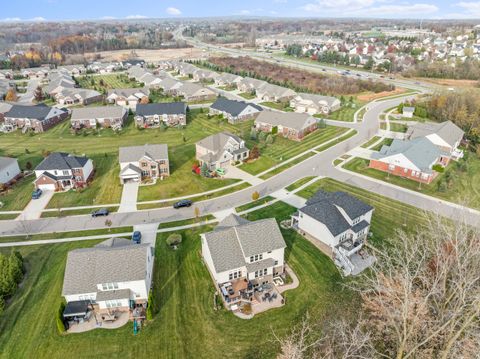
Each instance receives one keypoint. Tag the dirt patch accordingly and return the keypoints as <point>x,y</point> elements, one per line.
<point>367,97</point>
<point>148,55</point>
<point>452,83</point>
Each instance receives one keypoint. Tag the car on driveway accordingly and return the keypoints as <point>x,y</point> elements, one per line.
<point>182,203</point>
<point>100,212</point>
<point>37,193</point>
<point>137,237</point>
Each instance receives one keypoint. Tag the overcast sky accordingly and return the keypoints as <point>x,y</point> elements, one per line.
<point>40,10</point>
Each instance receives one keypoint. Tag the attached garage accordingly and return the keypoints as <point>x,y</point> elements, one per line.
<point>46,182</point>
<point>130,173</point>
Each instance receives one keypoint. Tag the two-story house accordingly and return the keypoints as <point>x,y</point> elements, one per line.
<point>61,171</point>
<point>103,116</point>
<point>235,111</point>
<point>337,223</point>
<point>139,162</point>
<point>220,150</point>
<point>114,275</point>
<point>242,255</point>
<point>153,114</point>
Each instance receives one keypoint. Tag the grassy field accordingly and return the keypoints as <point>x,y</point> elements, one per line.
<point>282,149</point>
<point>460,183</point>
<point>18,196</point>
<point>282,106</point>
<point>106,82</point>
<point>185,324</point>
<point>102,146</point>
<point>282,168</point>
<point>345,113</point>
<point>299,183</point>
<point>370,142</point>
<point>247,95</point>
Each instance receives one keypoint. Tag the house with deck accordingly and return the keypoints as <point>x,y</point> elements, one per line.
<point>314,104</point>
<point>103,116</point>
<point>153,114</point>
<point>221,150</point>
<point>338,223</point>
<point>291,125</point>
<point>235,111</point>
<point>61,171</point>
<point>38,118</point>
<point>101,282</point>
<point>146,161</point>
<point>243,257</point>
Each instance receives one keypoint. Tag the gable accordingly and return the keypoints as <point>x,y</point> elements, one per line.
<point>401,161</point>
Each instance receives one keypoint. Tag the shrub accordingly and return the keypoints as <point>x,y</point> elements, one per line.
<point>274,130</point>
<point>439,168</point>
<point>269,140</point>
<point>255,195</point>
<point>174,239</point>
<point>149,311</point>
<point>59,318</point>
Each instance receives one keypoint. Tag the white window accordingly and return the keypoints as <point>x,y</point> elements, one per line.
<point>391,167</point>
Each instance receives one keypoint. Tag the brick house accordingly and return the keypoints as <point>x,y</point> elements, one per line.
<point>104,116</point>
<point>294,126</point>
<point>152,114</point>
<point>39,118</point>
<point>220,150</point>
<point>139,162</point>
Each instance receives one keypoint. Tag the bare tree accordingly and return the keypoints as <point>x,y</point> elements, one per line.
<point>423,298</point>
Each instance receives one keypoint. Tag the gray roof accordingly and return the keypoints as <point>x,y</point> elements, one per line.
<point>275,90</point>
<point>135,153</point>
<point>87,267</point>
<point>61,161</point>
<point>168,108</point>
<point>350,204</point>
<point>103,295</point>
<point>329,100</point>
<point>447,131</point>
<point>85,113</point>
<point>5,107</point>
<point>233,107</point>
<point>190,89</point>
<point>420,151</point>
<point>38,112</point>
<point>328,214</point>
<point>6,161</point>
<point>259,265</point>
<point>231,220</point>
<point>230,246</point>
<point>217,141</point>
<point>129,91</point>
<point>359,226</point>
<point>294,120</point>
<point>84,93</point>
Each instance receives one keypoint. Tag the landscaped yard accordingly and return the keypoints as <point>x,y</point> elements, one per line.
<point>102,146</point>
<point>282,149</point>
<point>460,183</point>
<point>282,106</point>
<point>106,82</point>
<point>345,113</point>
<point>185,324</point>
<point>385,142</point>
<point>395,127</point>
<point>247,95</point>
<point>16,198</point>
<point>299,183</point>
<point>370,142</point>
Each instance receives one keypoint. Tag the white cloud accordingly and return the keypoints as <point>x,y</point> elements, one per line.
<point>108,18</point>
<point>173,11</point>
<point>244,12</point>
<point>471,8</point>
<point>17,19</point>
<point>135,17</point>
<point>11,19</point>
<point>280,1</point>
<point>375,8</point>
<point>38,18</point>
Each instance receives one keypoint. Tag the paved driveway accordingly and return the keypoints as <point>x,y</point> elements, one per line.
<point>129,197</point>
<point>36,206</point>
<point>235,172</point>
<point>149,232</point>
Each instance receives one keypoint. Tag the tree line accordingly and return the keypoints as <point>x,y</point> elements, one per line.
<point>11,274</point>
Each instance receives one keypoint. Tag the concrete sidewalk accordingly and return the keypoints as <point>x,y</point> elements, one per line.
<point>237,173</point>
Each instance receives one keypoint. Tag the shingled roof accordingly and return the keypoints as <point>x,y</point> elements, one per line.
<point>135,153</point>
<point>447,131</point>
<point>61,161</point>
<point>167,108</point>
<point>233,107</point>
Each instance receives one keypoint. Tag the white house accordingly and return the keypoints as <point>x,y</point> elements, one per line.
<point>242,255</point>
<point>407,111</point>
<point>340,223</point>
<point>9,169</point>
<point>313,104</point>
<point>115,274</point>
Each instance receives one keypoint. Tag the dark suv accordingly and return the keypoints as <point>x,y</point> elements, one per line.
<point>100,212</point>
<point>37,193</point>
<point>182,203</point>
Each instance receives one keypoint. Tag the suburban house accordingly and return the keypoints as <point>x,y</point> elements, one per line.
<point>136,72</point>
<point>413,159</point>
<point>170,86</point>
<point>128,98</point>
<point>4,108</point>
<point>446,135</point>
<point>139,162</point>
<point>313,104</point>
<point>104,116</point>
<point>226,79</point>
<point>220,150</point>
<point>74,96</point>
<point>39,118</point>
<point>169,113</point>
<point>250,85</point>
<point>294,126</point>
<point>150,80</point>
<point>195,92</point>
<point>9,169</point>
<point>74,70</point>
<point>338,224</point>
<point>205,75</point>
<point>113,276</point>
<point>407,112</point>
<point>234,111</point>
<point>269,92</point>
<point>242,256</point>
<point>61,171</point>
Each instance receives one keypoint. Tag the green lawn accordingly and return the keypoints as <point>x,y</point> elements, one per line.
<point>346,112</point>
<point>185,324</point>
<point>106,82</point>
<point>299,183</point>
<point>247,95</point>
<point>18,196</point>
<point>395,127</point>
<point>282,106</point>
<point>385,142</point>
<point>282,149</point>
<point>370,142</point>
<point>460,183</point>
<point>253,204</point>
<point>282,168</point>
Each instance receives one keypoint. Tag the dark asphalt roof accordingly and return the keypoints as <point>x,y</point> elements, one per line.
<point>170,108</point>
<point>328,214</point>
<point>359,226</point>
<point>76,308</point>
<point>232,107</point>
<point>38,112</point>
<point>61,161</point>
<point>351,205</point>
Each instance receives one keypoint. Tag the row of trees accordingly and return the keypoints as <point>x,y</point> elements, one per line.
<point>465,70</point>
<point>11,274</point>
<point>421,300</point>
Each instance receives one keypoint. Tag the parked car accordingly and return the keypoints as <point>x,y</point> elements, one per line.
<point>100,212</point>
<point>37,193</point>
<point>182,203</point>
<point>136,237</point>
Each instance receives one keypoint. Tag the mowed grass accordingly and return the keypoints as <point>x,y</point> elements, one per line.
<point>345,113</point>
<point>283,149</point>
<point>102,146</point>
<point>461,180</point>
<point>110,81</point>
<point>282,106</point>
<point>185,323</point>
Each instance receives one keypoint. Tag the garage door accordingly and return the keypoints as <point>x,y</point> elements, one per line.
<point>47,186</point>
<point>127,179</point>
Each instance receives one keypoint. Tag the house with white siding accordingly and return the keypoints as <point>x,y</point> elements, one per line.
<point>9,169</point>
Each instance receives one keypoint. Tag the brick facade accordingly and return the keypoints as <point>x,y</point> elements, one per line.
<point>402,172</point>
